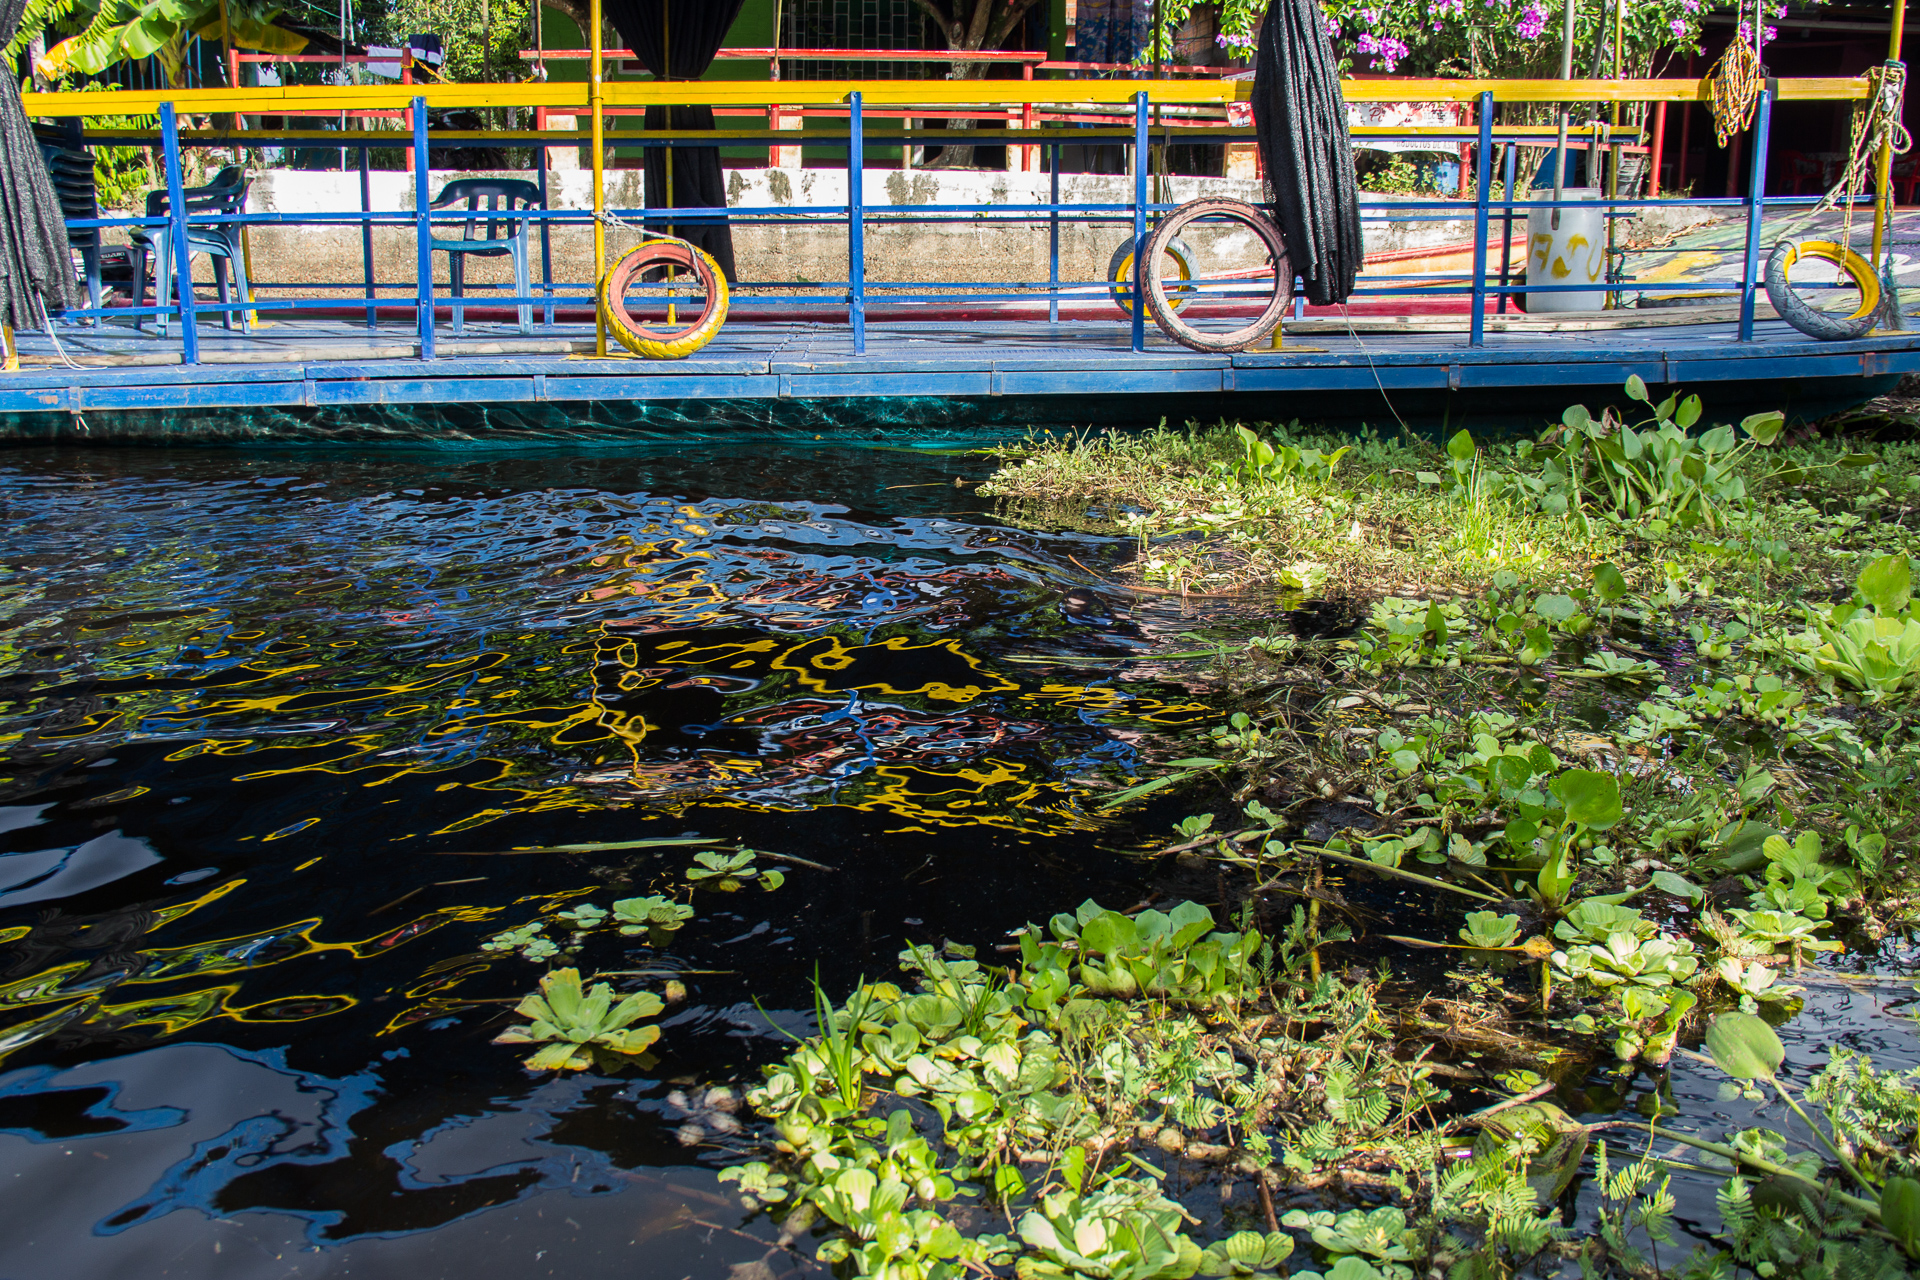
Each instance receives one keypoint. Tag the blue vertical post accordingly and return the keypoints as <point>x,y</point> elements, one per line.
<point>1482,224</point>
<point>546,235</point>
<point>856,226</point>
<point>177,220</point>
<point>1506,237</point>
<point>1053,237</point>
<point>1140,266</point>
<point>366,236</point>
<point>422,231</point>
<point>1756,201</point>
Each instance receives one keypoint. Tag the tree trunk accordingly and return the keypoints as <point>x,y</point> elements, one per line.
<point>960,155</point>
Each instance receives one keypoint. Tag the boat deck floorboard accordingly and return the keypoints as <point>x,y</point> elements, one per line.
<point>333,362</point>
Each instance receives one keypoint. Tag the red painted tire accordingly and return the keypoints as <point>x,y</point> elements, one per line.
<point>660,342</point>
<point>1161,307</point>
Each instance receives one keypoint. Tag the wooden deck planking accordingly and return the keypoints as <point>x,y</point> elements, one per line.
<point>340,363</point>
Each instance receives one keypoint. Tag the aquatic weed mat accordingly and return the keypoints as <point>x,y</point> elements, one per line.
<point>1640,686</point>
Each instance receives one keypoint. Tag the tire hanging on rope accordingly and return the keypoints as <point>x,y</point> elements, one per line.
<point>673,341</point>
<point>1300,118</point>
<point>1797,312</point>
<point>1876,123</point>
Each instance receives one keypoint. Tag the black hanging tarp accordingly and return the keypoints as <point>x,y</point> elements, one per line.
<point>1301,119</point>
<point>693,32</point>
<point>33,238</point>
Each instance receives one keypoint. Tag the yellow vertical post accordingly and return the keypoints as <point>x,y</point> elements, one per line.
<point>1883,166</point>
<point>595,103</point>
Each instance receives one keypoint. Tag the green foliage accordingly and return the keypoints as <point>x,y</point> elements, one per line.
<point>1756,984</point>
<point>656,916</point>
<point>575,1030</point>
<point>731,872</point>
<point>1875,1115</point>
<point>1487,929</point>
<point>1172,955</point>
<point>483,38</point>
<point>1876,652</point>
<point>760,1184</point>
<point>527,940</point>
<point>1247,1254</point>
<point>1125,1231</point>
<point>1378,1237</point>
<point>1659,476</point>
<point>1264,462</point>
<point>128,30</point>
<point>1592,799</point>
<point>1744,1047</point>
<point>39,16</point>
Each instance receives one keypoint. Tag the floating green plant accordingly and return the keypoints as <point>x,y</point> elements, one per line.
<point>576,1029</point>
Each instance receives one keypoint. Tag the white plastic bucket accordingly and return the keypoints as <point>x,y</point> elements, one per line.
<point>1576,253</point>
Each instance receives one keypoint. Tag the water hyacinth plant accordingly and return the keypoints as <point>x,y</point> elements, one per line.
<point>576,1028</point>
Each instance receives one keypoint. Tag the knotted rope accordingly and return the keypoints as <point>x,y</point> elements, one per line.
<point>1736,80</point>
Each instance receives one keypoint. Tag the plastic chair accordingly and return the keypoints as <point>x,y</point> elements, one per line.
<point>499,199</point>
<point>1802,169</point>
<point>1904,177</point>
<point>70,168</point>
<point>220,241</point>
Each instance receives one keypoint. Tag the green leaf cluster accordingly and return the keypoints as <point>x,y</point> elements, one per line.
<point>575,1028</point>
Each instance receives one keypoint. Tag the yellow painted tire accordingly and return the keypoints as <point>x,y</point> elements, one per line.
<point>1797,312</point>
<point>663,342</point>
<point>1120,274</point>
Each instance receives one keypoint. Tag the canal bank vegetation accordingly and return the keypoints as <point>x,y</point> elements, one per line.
<point>1626,712</point>
<point>1543,765</point>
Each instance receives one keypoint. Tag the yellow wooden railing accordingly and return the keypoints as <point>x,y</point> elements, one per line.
<point>562,95</point>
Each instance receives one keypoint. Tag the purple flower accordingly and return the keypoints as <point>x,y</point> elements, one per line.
<point>1679,28</point>
<point>1533,20</point>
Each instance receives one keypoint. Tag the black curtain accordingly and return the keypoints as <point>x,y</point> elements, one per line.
<point>33,235</point>
<point>1301,119</point>
<point>693,31</point>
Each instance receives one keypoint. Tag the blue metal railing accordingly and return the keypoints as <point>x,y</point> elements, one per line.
<point>854,293</point>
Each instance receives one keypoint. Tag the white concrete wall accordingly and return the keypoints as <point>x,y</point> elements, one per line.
<point>980,248</point>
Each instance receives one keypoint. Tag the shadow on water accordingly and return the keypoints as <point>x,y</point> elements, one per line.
<point>275,719</point>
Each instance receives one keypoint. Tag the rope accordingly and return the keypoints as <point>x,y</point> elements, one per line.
<point>1736,80</point>
<point>1875,123</point>
<point>46,322</point>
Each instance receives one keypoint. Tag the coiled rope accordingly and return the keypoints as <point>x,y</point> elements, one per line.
<point>1736,80</point>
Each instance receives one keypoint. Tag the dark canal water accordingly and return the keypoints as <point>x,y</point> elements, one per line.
<point>274,722</point>
<point>272,717</point>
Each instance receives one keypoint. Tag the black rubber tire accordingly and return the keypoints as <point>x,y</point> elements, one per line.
<point>1795,311</point>
<point>1154,288</point>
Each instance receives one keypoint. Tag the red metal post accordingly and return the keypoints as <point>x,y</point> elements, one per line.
<point>1659,144</point>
